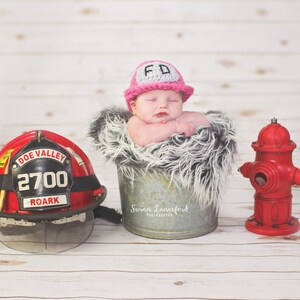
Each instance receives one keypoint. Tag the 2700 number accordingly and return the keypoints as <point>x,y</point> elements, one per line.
<point>48,179</point>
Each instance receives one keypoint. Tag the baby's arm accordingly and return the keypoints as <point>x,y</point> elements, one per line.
<point>196,118</point>
<point>144,134</point>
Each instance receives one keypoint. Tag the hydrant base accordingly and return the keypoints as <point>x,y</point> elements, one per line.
<point>283,229</point>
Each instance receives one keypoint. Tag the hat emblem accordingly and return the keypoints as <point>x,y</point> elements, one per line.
<point>156,72</point>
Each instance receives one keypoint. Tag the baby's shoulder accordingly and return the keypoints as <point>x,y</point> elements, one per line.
<point>134,121</point>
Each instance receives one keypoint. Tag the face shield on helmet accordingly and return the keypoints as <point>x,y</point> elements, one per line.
<point>48,190</point>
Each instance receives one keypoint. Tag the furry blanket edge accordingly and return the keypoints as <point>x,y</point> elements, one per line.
<point>201,163</point>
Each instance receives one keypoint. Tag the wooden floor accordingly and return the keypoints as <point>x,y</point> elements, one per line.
<point>62,61</point>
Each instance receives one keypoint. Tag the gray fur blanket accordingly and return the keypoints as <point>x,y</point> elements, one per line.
<point>200,163</point>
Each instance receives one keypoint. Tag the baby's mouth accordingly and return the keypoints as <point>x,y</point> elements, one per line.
<point>161,114</point>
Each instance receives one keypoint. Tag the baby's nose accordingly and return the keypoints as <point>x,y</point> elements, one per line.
<point>163,103</point>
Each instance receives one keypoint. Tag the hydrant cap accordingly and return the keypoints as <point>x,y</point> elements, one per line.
<point>274,138</point>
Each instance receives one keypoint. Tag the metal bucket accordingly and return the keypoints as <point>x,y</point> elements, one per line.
<point>155,208</point>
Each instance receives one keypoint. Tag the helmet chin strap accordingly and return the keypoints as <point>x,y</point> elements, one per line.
<point>108,214</point>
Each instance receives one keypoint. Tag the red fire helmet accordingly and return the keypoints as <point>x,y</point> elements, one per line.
<point>44,178</point>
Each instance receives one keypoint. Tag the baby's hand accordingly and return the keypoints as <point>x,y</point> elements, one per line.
<point>188,122</point>
<point>186,128</point>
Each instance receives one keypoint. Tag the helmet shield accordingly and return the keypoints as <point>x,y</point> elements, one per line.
<point>47,236</point>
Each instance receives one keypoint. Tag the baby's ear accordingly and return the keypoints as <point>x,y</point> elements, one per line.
<point>133,105</point>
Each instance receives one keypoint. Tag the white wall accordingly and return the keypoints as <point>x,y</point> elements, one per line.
<point>61,61</point>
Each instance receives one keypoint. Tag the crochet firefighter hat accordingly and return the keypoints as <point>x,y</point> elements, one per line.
<point>156,75</point>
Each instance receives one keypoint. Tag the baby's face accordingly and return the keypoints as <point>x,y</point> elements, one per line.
<point>157,106</point>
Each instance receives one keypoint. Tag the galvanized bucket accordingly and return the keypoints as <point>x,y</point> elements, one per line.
<point>155,208</point>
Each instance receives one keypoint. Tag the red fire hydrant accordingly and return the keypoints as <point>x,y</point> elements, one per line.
<point>272,176</point>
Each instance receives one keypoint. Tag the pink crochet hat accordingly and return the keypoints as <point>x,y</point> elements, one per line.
<point>156,75</point>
